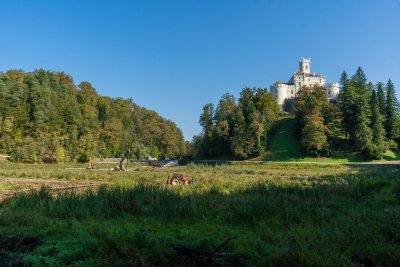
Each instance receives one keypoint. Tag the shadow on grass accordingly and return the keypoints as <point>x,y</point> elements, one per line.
<point>283,145</point>
<point>348,156</point>
<point>328,220</point>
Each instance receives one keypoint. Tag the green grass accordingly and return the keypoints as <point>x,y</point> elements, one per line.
<point>392,155</point>
<point>281,214</point>
<point>285,147</point>
<point>283,144</point>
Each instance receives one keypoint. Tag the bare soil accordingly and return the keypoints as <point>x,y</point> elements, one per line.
<point>20,185</point>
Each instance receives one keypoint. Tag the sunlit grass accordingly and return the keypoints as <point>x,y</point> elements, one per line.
<point>282,214</point>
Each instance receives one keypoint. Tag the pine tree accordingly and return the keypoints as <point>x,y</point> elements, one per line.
<point>344,80</point>
<point>380,87</point>
<point>347,103</point>
<point>378,132</point>
<point>361,133</point>
<point>360,79</point>
<point>391,125</point>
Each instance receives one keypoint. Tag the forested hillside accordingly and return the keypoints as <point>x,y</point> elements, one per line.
<point>240,128</point>
<point>45,116</point>
<point>366,118</point>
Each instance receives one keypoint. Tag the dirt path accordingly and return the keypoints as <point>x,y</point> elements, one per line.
<point>372,163</point>
<point>20,185</point>
<point>394,162</point>
<point>45,181</point>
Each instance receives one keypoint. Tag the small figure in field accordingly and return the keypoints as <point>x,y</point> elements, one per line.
<point>91,164</point>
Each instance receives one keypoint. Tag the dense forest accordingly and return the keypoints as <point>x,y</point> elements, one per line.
<point>237,127</point>
<point>366,117</point>
<point>45,116</point>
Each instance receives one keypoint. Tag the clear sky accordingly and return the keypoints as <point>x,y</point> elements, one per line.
<point>175,56</point>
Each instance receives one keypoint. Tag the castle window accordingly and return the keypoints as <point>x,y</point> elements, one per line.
<point>299,83</point>
<point>292,92</point>
<point>276,91</point>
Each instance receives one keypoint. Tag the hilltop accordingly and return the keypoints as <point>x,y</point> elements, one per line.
<point>44,116</point>
<point>360,122</point>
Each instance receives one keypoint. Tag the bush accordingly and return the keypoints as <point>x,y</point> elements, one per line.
<point>393,145</point>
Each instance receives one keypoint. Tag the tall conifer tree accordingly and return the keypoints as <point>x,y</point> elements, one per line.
<point>391,124</point>
<point>380,87</point>
<point>362,133</point>
<point>346,103</point>
<point>378,131</point>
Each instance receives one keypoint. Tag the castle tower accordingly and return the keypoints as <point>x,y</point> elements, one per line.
<point>305,65</point>
<point>303,77</point>
<point>332,90</point>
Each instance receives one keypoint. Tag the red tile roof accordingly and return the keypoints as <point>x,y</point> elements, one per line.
<point>312,75</point>
<point>307,74</point>
<point>279,82</point>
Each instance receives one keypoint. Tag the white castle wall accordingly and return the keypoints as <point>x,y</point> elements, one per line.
<point>301,80</point>
<point>281,91</point>
<point>332,90</point>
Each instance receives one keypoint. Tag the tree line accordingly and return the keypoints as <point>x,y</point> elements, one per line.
<point>239,127</point>
<point>366,115</point>
<point>45,116</point>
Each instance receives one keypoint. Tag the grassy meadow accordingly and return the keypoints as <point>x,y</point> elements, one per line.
<point>279,214</point>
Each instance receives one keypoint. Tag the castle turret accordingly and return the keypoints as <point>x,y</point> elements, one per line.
<point>332,90</point>
<point>281,91</point>
<point>305,65</point>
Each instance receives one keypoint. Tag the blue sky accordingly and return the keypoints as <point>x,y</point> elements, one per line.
<point>175,56</point>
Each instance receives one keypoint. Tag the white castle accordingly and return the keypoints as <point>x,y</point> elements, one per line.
<point>300,78</point>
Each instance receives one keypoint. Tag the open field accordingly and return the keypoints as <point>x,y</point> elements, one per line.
<point>279,214</point>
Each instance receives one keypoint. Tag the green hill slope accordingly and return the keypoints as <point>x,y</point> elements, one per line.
<point>284,146</point>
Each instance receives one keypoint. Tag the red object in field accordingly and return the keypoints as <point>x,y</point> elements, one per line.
<point>178,178</point>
